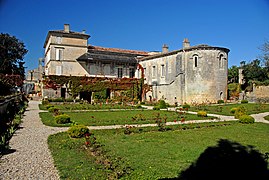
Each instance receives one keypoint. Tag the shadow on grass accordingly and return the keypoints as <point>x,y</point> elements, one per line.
<point>227,160</point>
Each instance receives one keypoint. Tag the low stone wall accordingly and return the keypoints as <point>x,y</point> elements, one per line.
<point>259,94</point>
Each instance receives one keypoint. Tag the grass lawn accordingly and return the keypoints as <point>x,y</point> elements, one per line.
<point>266,118</point>
<point>150,155</point>
<point>97,118</point>
<point>70,107</point>
<point>224,109</point>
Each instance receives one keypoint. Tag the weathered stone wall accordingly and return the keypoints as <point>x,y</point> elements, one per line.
<point>182,78</point>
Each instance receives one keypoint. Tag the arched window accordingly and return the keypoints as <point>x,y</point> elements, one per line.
<point>221,61</point>
<point>195,60</point>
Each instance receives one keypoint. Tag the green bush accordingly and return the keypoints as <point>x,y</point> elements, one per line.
<point>244,101</point>
<point>246,119</point>
<point>53,109</point>
<point>45,102</point>
<point>202,114</point>
<point>62,119</point>
<point>185,106</point>
<point>220,101</point>
<point>233,110</point>
<point>78,131</point>
<point>162,104</point>
<point>156,108</point>
<point>142,103</point>
<point>240,111</point>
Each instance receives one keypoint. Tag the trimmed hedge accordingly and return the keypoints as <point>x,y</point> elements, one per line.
<point>78,131</point>
<point>246,119</point>
<point>62,119</point>
<point>240,111</point>
<point>244,101</point>
<point>202,114</point>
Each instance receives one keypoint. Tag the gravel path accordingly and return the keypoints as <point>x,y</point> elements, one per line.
<point>32,158</point>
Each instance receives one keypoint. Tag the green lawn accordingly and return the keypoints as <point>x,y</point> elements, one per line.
<point>150,155</point>
<point>224,109</point>
<point>97,118</point>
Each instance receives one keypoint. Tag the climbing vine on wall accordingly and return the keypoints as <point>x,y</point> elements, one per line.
<point>133,87</point>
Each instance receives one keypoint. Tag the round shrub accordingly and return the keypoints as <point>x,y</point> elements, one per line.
<point>220,101</point>
<point>202,114</point>
<point>233,110</point>
<point>62,119</point>
<point>246,119</point>
<point>244,101</point>
<point>240,111</point>
<point>162,104</point>
<point>78,131</point>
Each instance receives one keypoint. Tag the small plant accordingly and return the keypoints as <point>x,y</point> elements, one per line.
<point>128,130</point>
<point>240,111</point>
<point>156,108</point>
<point>45,102</point>
<point>160,122</point>
<point>220,101</point>
<point>233,110</point>
<point>62,119</point>
<point>162,104</point>
<point>53,109</point>
<point>246,119</point>
<point>90,139</point>
<point>202,114</point>
<point>244,101</point>
<point>78,131</point>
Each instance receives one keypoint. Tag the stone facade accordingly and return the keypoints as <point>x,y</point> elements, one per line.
<point>194,74</point>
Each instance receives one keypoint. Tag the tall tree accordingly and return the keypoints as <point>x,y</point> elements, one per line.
<point>233,74</point>
<point>12,52</point>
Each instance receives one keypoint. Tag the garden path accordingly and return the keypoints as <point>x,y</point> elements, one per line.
<point>29,156</point>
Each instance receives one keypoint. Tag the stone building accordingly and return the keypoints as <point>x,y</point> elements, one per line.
<point>193,74</point>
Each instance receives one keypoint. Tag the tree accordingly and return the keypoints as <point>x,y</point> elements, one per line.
<point>12,52</point>
<point>233,74</point>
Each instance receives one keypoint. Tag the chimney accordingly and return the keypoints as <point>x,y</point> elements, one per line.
<point>186,43</point>
<point>66,28</point>
<point>165,48</point>
<point>83,31</point>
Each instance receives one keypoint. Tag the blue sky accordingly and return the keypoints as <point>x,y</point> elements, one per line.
<point>240,25</point>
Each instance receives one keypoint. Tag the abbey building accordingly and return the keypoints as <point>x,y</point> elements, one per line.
<point>192,74</point>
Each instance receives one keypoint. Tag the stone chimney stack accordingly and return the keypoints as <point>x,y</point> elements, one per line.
<point>67,28</point>
<point>165,48</point>
<point>186,43</point>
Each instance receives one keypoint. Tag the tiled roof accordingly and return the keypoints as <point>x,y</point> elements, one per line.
<point>98,48</point>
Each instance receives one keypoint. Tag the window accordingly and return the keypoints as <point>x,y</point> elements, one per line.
<point>153,71</point>
<point>58,70</point>
<point>145,71</point>
<point>59,54</point>
<point>119,72</point>
<point>162,70</point>
<point>59,40</point>
<point>195,57</point>
<point>221,61</point>
<point>131,73</point>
